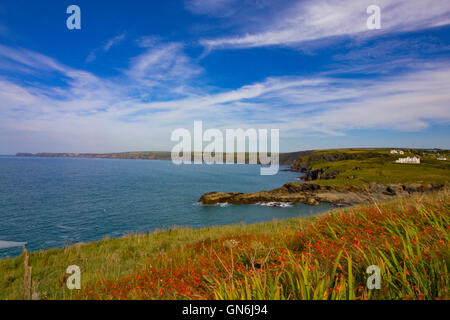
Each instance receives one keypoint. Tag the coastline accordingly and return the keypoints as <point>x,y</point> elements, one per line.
<point>313,194</point>
<point>347,177</point>
<point>130,266</point>
<point>399,193</point>
<point>285,158</point>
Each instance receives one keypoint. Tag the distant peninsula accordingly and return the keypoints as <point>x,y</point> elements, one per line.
<point>149,155</point>
<point>285,158</point>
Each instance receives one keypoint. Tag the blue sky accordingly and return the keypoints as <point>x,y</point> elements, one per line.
<point>137,70</point>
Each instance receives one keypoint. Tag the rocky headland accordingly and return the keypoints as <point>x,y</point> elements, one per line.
<point>313,194</point>
<point>345,177</point>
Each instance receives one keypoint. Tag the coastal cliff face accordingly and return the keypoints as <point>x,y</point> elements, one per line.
<point>313,194</point>
<point>347,176</point>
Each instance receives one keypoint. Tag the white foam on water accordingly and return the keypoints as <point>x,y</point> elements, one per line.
<point>64,227</point>
<point>225,204</point>
<point>10,244</point>
<point>275,204</point>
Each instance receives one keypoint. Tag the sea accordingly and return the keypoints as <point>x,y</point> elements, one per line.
<point>57,202</point>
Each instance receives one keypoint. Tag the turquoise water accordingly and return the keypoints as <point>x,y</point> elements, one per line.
<point>53,202</point>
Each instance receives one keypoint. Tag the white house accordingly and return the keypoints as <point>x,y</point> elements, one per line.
<point>442,158</point>
<point>393,151</point>
<point>411,160</point>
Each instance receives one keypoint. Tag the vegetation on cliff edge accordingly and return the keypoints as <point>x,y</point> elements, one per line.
<point>363,166</point>
<point>323,257</point>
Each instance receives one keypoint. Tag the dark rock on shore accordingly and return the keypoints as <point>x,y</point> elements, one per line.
<point>313,194</point>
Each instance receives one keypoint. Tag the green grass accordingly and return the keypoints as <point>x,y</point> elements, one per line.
<point>360,167</point>
<point>323,257</point>
<point>413,265</point>
<point>116,263</point>
<point>109,258</point>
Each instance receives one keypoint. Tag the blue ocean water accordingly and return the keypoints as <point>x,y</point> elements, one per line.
<point>53,202</point>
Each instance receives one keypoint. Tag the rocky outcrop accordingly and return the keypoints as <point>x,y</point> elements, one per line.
<point>313,193</point>
<point>319,174</point>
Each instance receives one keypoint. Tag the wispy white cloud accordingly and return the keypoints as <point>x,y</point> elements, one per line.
<point>162,64</point>
<point>211,7</point>
<point>148,41</point>
<point>87,113</point>
<point>29,59</point>
<point>322,19</point>
<point>106,47</point>
<point>113,42</point>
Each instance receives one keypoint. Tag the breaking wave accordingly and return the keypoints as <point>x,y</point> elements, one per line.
<point>10,244</point>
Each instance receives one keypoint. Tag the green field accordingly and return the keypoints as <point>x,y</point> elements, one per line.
<point>358,167</point>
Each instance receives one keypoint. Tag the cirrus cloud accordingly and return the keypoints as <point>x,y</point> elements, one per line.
<point>322,19</point>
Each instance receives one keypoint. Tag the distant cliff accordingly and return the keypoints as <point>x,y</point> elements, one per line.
<point>285,158</point>
<point>149,155</point>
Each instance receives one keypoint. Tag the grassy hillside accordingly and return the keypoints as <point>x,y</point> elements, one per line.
<point>323,257</point>
<point>362,166</point>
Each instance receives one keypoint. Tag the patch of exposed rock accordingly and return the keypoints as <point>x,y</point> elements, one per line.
<point>313,193</point>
